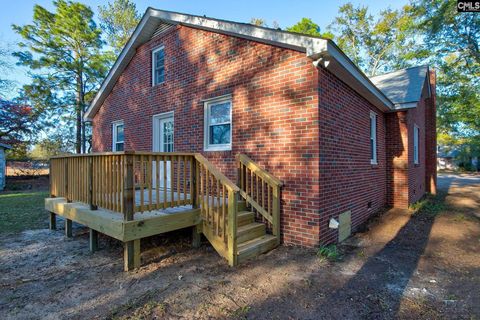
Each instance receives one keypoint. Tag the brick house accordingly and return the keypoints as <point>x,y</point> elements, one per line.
<point>344,145</point>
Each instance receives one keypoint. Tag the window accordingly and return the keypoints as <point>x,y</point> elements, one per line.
<point>416,132</point>
<point>373,138</point>
<point>218,124</point>
<point>158,66</point>
<point>118,136</point>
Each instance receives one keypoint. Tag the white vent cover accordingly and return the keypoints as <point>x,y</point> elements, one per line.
<point>162,27</point>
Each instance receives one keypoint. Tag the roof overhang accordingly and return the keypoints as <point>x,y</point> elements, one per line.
<point>315,48</point>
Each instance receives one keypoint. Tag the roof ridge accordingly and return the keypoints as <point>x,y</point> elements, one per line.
<point>413,67</point>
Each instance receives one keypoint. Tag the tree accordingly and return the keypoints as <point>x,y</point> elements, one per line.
<point>453,42</point>
<point>376,44</point>
<point>5,84</point>
<point>258,22</point>
<point>64,47</point>
<point>17,122</point>
<point>119,19</point>
<point>308,27</point>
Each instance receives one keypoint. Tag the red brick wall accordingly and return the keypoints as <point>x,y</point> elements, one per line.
<point>397,159</point>
<point>348,181</point>
<point>416,172</point>
<point>275,111</point>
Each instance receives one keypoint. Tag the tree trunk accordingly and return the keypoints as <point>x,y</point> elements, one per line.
<point>80,102</point>
<point>78,111</point>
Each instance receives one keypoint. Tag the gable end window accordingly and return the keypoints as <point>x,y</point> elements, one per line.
<point>416,133</point>
<point>158,66</point>
<point>118,137</point>
<point>218,124</point>
<point>373,138</point>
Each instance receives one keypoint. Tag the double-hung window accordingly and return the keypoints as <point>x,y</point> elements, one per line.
<point>158,66</point>
<point>416,132</point>
<point>218,124</point>
<point>373,138</point>
<point>118,136</point>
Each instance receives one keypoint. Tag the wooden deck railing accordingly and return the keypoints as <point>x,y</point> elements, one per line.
<point>261,191</point>
<point>137,182</point>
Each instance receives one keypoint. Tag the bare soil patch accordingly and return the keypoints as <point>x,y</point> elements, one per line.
<point>405,265</point>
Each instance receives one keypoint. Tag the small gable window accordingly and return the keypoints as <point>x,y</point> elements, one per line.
<point>373,138</point>
<point>118,136</point>
<point>158,66</point>
<point>416,133</point>
<point>218,124</point>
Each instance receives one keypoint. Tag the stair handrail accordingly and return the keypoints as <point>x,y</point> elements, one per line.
<point>271,211</point>
<point>233,191</point>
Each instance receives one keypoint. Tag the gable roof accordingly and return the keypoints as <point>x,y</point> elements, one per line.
<point>403,87</point>
<point>321,51</point>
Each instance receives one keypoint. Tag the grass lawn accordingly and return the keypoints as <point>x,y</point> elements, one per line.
<point>22,211</point>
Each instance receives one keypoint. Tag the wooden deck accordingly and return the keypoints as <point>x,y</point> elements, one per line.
<point>116,194</point>
<point>112,224</point>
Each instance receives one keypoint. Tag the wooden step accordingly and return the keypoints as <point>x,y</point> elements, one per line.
<point>244,218</point>
<point>241,205</point>
<point>250,231</point>
<point>255,247</point>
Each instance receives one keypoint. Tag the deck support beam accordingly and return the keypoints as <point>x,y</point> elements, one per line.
<point>53,221</point>
<point>93,240</point>
<point>131,255</point>
<point>68,228</point>
<point>196,236</point>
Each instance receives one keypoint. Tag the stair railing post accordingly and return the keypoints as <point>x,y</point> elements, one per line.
<point>232,227</point>
<point>276,212</point>
<point>194,175</point>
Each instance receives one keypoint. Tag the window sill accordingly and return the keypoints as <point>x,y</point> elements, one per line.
<point>217,149</point>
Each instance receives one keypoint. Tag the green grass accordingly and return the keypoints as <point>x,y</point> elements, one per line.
<point>430,205</point>
<point>21,211</point>
<point>329,252</point>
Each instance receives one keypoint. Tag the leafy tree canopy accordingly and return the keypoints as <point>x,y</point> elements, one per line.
<point>308,27</point>
<point>119,19</point>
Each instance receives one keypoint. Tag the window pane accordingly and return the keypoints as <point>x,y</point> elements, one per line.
<point>220,113</point>
<point>220,134</point>
<point>120,135</point>
<point>372,156</point>
<point>119,146</point>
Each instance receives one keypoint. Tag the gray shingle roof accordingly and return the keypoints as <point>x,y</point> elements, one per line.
<point>403,87</point>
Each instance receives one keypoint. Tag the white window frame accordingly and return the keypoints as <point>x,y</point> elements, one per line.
<point>373,137</point>
<point>115,125</point>
<point>206,132</point>
<point>416,144</point>
<point>154,64</point>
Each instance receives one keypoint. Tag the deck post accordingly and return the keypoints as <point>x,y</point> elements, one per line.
<point>131,252</point>
<point>197,235</point>
<point>93,240</point>
<point>68,228</point>
<point>53,221</point>
<point>90,184</point>
<point>194,175</point>
<point>66,181</point>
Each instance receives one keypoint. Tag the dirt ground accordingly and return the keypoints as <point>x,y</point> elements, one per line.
<point>424,265</point>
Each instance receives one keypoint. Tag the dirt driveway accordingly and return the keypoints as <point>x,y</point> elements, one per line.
<point>424,265</point>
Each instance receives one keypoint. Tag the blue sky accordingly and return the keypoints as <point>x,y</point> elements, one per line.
<point>285,13</point>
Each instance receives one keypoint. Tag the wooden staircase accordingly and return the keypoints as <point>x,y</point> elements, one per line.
<point>252,238</point>
<point>241,220</point>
